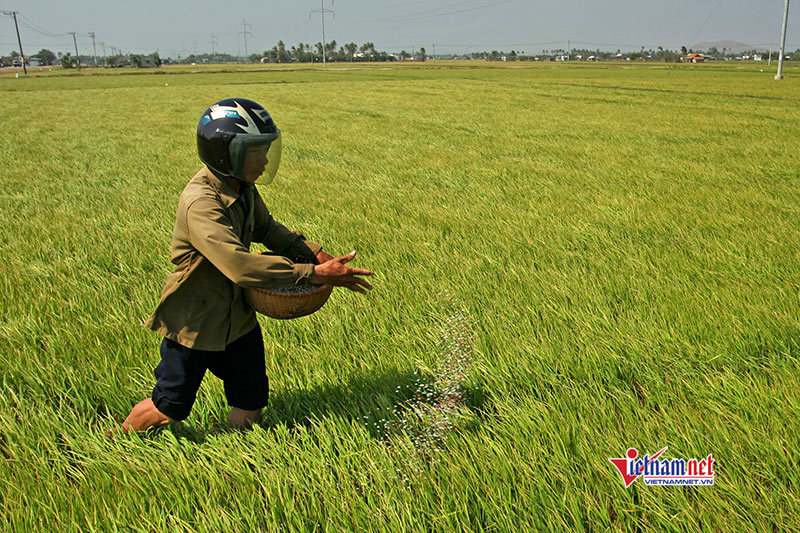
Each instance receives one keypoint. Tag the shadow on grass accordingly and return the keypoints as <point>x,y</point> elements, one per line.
<point>366,398</point>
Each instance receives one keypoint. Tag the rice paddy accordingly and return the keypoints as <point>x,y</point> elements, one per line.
<point>570,260</point>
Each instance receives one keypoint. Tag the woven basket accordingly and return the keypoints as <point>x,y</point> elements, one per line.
<point>286,305</point>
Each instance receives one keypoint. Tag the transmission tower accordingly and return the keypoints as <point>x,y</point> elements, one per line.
<point>245,33</point>
<point>213,44</point>
<point>322,11</point>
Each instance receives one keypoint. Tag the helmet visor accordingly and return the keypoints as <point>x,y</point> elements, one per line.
<point>273,160</point>
<point>238,152</point>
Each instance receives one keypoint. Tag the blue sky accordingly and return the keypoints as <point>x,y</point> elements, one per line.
<point>176,27</point>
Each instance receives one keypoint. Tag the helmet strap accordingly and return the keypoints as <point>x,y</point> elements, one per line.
<point>243,184</point>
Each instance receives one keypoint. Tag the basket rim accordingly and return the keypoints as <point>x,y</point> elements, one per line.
<point>303,294</point>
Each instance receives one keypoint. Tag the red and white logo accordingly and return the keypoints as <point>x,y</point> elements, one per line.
<point>656,471</point>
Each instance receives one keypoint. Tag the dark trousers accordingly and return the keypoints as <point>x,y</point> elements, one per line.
<point>240,366</point>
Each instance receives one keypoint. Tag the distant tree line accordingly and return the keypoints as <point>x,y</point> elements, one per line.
<point>660,54</point>
<point>309,53</point>
<point>115,61</point>
<point>207,58</point>
<point>581,54</point>
<point>49,58</point>
<point>313,53</point>
<point>352,52</point>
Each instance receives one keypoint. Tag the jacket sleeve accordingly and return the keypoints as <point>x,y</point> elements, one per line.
<point>212,234</point>
<point>278,237</point>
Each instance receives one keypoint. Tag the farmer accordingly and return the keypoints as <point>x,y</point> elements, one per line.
<point>203,315</point>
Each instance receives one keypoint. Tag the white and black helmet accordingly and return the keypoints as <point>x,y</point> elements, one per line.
<point>228,128</point>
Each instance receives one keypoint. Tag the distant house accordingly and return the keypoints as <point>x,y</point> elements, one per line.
<point>698,58</point>
<point>35,61</point>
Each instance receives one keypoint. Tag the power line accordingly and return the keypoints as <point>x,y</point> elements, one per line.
<point>35,30</point>
<point>436,12</point>
<point>403,4</point>
<point>38,29</point>
<point>415,12</point>
<point>691,42</point>
<point>213,44</point>
<point>299,26</point>
<point>458,11</point>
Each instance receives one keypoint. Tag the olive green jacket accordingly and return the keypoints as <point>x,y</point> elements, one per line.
<point>202,305</point>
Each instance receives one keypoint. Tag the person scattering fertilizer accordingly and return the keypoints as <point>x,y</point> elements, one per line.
<point>203,315</point>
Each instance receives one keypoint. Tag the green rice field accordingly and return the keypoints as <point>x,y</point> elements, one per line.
<point>592,257</point>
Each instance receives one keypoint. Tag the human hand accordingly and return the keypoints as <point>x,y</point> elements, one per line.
<point>336,272</point>
<point>323,257</point>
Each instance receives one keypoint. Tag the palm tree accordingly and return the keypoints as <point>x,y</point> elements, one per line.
<point>368,48</point>
<point>351,49</point>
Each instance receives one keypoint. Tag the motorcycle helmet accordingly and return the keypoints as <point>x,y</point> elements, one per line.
<point>228,128</point>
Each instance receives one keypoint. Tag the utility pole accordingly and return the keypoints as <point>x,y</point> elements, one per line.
<point>322,11</point>
<point>104,53</point>
<point>75,42</point>
<point>569,50</point>
<point>779,75</point>
<point>94,46</point>
<point>434,52</point>
<point>19,39</point>
<point>245,33</point>
<point>213,44</point>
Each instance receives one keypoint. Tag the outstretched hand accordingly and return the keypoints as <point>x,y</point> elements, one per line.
<point>323,256</point>
<point>336,272</point>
